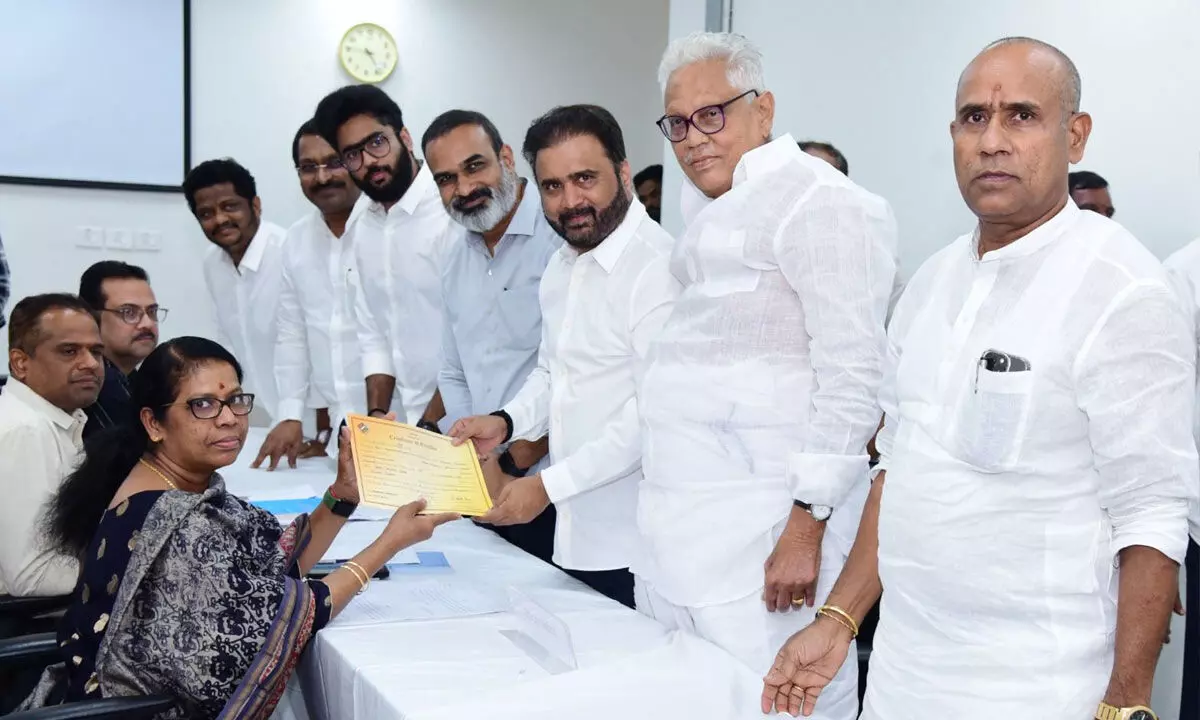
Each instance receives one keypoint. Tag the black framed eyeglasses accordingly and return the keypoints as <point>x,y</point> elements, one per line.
<point>132,314</point>
<point>310,169</point>
<point>208,408</point>
<point>376,146</point>
<point>709,120</point>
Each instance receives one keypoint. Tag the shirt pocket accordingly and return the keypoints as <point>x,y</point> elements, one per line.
<point>723,263</point>
<point>521,316</point>
<point>993,418</point>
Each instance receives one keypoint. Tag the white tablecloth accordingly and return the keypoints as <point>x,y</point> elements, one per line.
<point>628,666</point>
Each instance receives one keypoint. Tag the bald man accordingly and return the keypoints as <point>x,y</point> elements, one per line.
<point>1036,445</point>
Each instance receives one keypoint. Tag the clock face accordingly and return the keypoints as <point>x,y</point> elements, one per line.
<point>368,53</point>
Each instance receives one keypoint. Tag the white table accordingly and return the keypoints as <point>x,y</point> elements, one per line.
<point>628,665</point>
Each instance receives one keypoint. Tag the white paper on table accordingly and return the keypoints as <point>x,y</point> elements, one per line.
<point>270,486</point>
<point>400,599</point>
<point>353,538</point>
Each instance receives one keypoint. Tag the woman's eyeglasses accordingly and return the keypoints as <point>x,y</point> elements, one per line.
<point>709,120</point>
<point>208,408</point>
<point>377,146</point>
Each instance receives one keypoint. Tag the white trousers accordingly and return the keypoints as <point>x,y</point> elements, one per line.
<point>745,630</point>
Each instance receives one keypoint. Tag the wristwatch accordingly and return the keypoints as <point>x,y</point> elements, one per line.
<point>429,425</point>
<point>1137,712</point>
<point>508,466</point>
<point>820,513</point>
<point>342,508</point>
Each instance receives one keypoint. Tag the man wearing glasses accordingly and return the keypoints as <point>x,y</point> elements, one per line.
<point>759,396</point>
<point>402,238</point>
<point>129,315</point>
<point>316,351</point>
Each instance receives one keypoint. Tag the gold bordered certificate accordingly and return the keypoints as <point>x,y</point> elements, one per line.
<point>398,463</point>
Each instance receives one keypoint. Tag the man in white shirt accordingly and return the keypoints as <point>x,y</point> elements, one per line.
<point>759,397</point>
<point>402,235</point>
<point>316,351</point>
<point>56,369</point>
<point>604,297</point>
<point>490,290</point>
<point>244,271</point>
<point>1037,447</point>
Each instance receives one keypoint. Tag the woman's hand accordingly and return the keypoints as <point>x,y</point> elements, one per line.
<point>408,527</point>
<point>804,666</point>
<point>345,486</point>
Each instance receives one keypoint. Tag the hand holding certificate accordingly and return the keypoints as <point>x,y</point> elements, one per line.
<point>397,464</point>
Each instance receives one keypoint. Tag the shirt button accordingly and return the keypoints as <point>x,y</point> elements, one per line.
<point>489,273</point>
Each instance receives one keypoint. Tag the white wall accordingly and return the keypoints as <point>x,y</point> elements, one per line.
<point>259,69</point>
<point>878,79</point>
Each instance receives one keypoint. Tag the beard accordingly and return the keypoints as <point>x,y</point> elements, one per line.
<point>603,222</point>
<point>501,200</point>
<point>400,178</point>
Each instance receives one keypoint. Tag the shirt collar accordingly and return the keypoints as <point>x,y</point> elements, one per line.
<point>26,395</point>
<point>420,189</point>
<point>759,161</point>
<point>765,159</point>
<point>1028,244</point>
<point>610,249</point>
<point>254,254</point>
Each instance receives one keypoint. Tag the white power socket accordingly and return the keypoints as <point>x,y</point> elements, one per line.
<point>90,237</point>
<point>147,240</point>
<point>118,239</point>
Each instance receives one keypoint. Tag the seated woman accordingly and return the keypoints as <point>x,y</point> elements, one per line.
<point>186,590</point>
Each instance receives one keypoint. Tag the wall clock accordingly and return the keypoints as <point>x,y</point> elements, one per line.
<point>368,53</point>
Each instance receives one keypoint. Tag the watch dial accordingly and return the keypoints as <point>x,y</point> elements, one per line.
<point>368,53</point>
<point>1141,715</point>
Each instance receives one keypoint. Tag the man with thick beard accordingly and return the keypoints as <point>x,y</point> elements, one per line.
<point>604,297</point>
<point>490,291</point>
<point>402,235</point>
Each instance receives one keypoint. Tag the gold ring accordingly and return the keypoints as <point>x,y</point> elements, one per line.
<point>799,602</point>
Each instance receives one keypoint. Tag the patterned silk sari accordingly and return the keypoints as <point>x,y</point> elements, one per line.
<point>211,609</point>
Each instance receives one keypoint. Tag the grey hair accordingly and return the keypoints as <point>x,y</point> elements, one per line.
<point>1074,88</point>
<point>743,60</point>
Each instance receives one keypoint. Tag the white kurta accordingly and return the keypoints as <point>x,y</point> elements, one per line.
<point>761,388</point>
<point>317,361</point>
<point>1184,266</point>
<point>1008,494</point>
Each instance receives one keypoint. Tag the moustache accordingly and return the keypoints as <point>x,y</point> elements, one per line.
<point>331,185</point>
<point>146,336</point>
<point>461,203</point>
<point>223,227</point>
<point>565,218</point>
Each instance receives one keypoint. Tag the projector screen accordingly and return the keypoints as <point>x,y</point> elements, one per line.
<point>94,94</point>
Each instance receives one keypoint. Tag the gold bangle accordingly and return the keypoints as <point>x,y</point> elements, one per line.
<point>833,612</point>
<point>364,580</point>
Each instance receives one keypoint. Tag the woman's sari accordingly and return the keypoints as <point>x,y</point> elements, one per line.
<point>211,609</point>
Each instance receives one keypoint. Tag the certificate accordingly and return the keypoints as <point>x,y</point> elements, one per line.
<point>397,464</point>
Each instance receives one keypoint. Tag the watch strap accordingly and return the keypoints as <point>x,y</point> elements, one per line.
<point>429,425</point>
<point>341,508</point>
<point>508,466</point>
<point>381,411</point>
<point>508,423</point>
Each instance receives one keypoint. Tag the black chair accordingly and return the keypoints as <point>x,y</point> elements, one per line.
<point>25,615</point>
<point>39,651</point>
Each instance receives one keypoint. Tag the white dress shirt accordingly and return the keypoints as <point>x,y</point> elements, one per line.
<point>600,311</point>
<point>493,320</point>
<point>1184,266</point>
<point>400,254</point>
<point>316,353</point>
<point>762,387</point>
<point>246,300</point>
<point>1009,494</point>
<point>39,446</point>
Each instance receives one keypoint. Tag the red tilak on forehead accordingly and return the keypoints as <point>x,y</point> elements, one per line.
<point>222,386</point>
